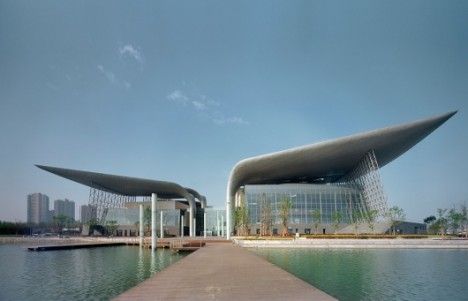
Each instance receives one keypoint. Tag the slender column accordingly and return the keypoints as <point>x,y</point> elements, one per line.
<point>222,225</point>
<point>204,224</point>
<point>182,226</point>
<point>194,227</point>
<point>161,230</point>
<point>217,224</point>
<point>153,221</point>
<point>142,234</point>
<point>191,218</point>
<point>228,218</point>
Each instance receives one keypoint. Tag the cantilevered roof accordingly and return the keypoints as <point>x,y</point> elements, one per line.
<point>330,160</point>
<point>121,184</point>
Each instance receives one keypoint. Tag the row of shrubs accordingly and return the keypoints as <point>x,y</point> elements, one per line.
<point>338,236</point>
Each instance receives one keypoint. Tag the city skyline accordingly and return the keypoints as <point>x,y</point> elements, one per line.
<point>182,99</point>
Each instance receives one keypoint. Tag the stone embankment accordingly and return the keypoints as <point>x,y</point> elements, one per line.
<point>357,243</point>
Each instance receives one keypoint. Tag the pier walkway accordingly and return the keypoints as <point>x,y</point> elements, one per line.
<point>222,271</point>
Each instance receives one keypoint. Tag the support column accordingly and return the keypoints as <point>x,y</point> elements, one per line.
<point>154,196</point>
<point>182,226</point>
<point>218,233</point>
<point>142,234</point>
<point>204,224</point>
<point>228,217</point>
<point>161,230</point>
<point>222,225</point>
<point>191,218</point>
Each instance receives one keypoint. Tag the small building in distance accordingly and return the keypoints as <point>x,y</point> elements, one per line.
<point>64,207</point>
<point>38,208</point>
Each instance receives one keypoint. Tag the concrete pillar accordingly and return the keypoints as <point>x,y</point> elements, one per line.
<point>182,226</point>
<point>222,225</point>
<point>154,196</point>
<point>142,231</point>
<point>228,217</point>
<point>191,218</point>
<point>194,227</point>
<point>204,224</point>
<point>218,233</point>
<point>161,230</point>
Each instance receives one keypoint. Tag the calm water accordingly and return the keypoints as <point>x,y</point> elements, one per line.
<point>377,274</point>
<point>82,274</point>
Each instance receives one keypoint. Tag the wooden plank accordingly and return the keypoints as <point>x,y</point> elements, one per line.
<point>223,272</point>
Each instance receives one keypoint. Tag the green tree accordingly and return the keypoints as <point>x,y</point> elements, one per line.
<point>266,219</point>
<point>430,219</point>
<point>464,221</point>
<point>356,218</point>
<point>111,227</point>
<point>455,219</point>
<point>442,221</point>
<point>316,217</point>
<point>285,208</point>
<point>147,220</point>
<point>395,215</point>
<point>337,217</point>
<point>371,217</point>
<point>241,219</point>
<point>59,222</point>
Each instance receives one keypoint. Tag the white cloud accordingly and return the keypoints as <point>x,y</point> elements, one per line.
<point>205,106</point>
<point>112,78</point>
<point>108,74</point>
<point>178,97</point>
<point>230,120</point>
<point>132,52</point>
<point>198,105</point>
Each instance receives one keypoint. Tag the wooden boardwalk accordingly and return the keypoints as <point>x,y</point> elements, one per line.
<point>223,271</point>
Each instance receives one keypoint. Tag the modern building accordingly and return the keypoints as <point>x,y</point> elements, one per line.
<point>113,196</point>
<point>64,207</point>
<point>38,208</point>
<point>88,213</point>
<point>328,184</point>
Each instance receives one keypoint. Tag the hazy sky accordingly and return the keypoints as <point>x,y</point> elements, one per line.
<point>182,90</point>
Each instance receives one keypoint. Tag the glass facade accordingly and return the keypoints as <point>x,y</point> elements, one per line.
<point>215,222</point>
<point>130,217</point>
<point>305,199</point>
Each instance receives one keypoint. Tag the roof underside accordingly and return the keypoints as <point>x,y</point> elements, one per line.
<point>120,184</point>
<point>330,160</point>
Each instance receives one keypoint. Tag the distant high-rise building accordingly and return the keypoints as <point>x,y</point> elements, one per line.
<point>38,208</point>
<point>64,207</point>
<point>88,212</point>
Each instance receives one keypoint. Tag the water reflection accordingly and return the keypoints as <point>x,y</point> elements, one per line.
<point>376,274</point>
<point>82,274</point>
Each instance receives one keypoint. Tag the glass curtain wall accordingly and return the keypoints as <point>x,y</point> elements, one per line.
<point>215,222</point>
<point>305,199</point>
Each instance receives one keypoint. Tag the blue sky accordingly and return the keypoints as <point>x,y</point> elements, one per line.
<point>182,90</point>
